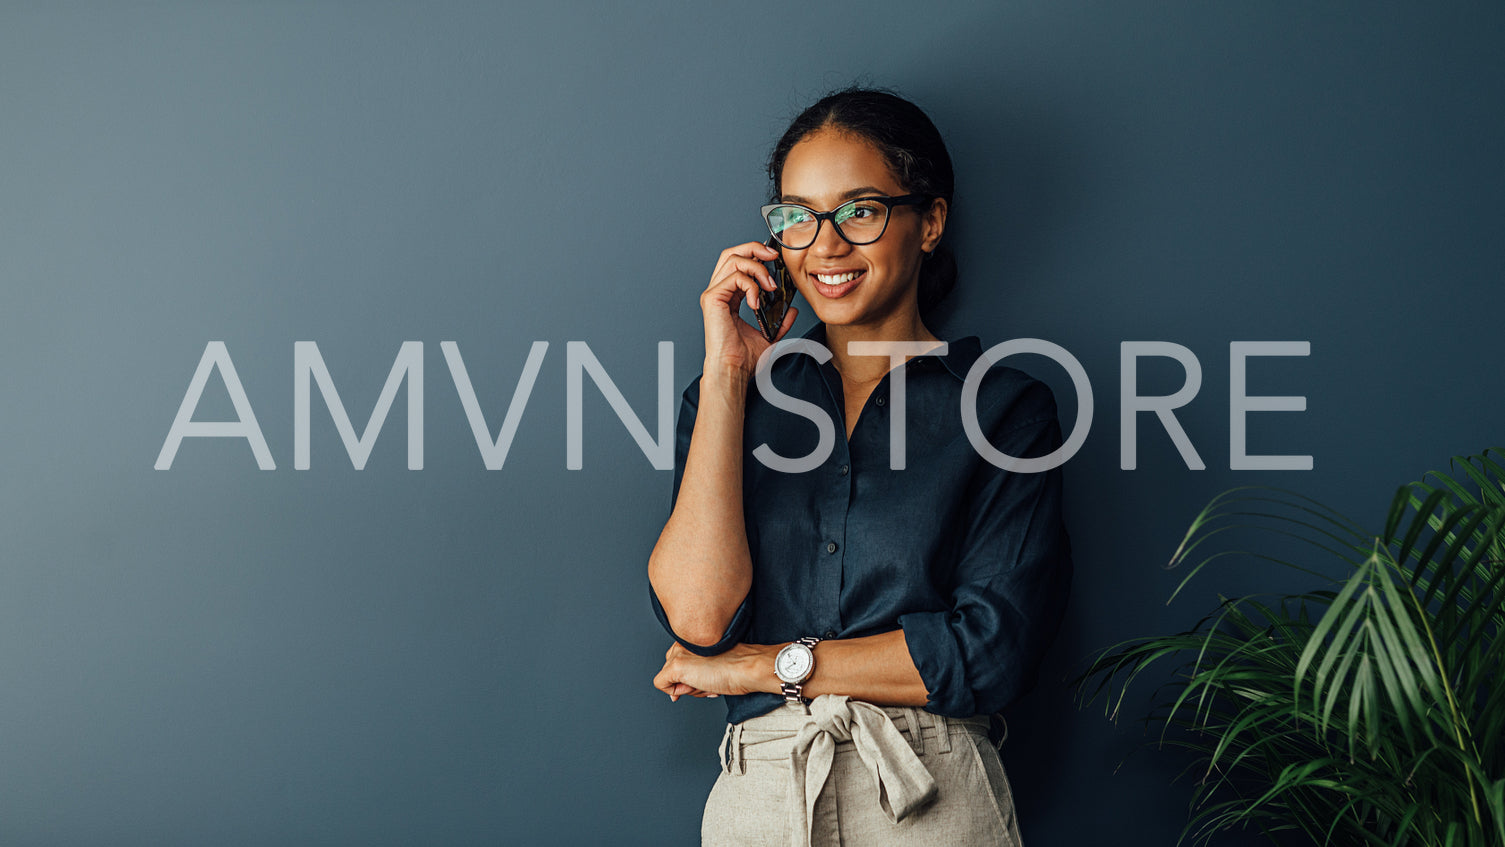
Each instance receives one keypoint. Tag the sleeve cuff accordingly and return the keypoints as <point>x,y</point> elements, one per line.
<point>938,658</point>
<point>731,638</point>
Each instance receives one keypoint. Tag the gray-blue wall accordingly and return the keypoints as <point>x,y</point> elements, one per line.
<point>216,654</point>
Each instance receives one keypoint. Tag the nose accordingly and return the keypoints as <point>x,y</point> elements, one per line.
<point>828,242</point>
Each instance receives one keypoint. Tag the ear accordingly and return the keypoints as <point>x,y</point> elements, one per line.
<point>933,224</point>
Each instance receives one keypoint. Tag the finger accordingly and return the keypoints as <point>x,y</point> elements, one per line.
<point>736,285</point>
<point>754,250</point>
<point>729,271</point>
<point>664,681</point>
<point>758,271</point>
<point>788,323</point>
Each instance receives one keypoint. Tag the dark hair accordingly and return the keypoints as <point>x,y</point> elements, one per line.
<point>910,144</point>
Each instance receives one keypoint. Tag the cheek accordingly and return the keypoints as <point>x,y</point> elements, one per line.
<point>902,261</point>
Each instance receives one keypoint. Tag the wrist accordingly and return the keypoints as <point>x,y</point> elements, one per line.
<point>757,668</point>
<point>795,666</point>
<point>724,379</point>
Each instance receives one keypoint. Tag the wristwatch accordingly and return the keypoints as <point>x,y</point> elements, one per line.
<point>793,666</point>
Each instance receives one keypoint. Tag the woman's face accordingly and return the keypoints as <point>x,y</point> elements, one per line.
<point>824,170</point>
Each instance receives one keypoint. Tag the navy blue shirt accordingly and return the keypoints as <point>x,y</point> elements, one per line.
<point>972,561</point>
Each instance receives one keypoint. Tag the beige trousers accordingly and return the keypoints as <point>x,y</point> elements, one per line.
<point>851,773</point>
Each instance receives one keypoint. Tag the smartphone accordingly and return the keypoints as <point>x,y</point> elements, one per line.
<point>773,304</point>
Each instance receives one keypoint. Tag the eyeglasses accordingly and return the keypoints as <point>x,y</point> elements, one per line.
<point>858,222</point>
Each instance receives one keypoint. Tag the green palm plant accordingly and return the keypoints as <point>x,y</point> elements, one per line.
<point>1368,713</point>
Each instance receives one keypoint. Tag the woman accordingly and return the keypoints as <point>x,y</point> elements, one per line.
<point>862,618</point>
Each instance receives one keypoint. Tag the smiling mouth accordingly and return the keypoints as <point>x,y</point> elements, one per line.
<point>833,286</point>
<point>837,279</point>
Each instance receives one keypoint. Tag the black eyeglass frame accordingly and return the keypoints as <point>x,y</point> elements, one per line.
<point>888,202</point>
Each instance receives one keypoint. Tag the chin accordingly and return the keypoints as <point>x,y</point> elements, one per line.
<point>833,313</point>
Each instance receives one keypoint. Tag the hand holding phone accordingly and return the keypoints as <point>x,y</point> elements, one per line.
<point>773,304</point>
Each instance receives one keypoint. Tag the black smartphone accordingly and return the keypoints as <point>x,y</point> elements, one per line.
<point>773,304</point>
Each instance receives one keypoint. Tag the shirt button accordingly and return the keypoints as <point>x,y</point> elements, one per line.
<point>830,633</point>
<point>844,470</point>
<point>830,546</point>
<point>879,401</point>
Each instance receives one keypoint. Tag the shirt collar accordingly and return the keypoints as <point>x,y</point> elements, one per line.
<point>960,354</point>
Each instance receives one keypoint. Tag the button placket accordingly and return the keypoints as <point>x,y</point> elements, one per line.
<point>841,485</point>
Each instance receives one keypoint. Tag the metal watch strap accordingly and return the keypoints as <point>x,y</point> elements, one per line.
<point>794,692</point>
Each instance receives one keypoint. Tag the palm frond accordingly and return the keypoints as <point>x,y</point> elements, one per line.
<point>1382,721</point>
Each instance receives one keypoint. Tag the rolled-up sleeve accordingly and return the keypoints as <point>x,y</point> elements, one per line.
<point>684,427</point>
<point>1012,577</point>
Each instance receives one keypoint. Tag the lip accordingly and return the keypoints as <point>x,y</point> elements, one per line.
<point>836,292</point>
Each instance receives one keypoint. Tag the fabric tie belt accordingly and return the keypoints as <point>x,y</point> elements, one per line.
<point>904,784</point>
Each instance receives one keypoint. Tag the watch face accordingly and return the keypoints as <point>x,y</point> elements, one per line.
<point>794,663</point>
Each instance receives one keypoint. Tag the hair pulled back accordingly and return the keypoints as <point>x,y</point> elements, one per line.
<point>909,143</point>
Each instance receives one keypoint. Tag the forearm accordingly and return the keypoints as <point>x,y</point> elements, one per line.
<point>700,568</point>
<point>875,668</point>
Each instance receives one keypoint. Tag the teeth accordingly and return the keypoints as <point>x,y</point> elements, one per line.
<point>837,279</point>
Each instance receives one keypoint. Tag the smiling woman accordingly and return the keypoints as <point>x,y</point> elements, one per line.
<point>862,621</point>
<point>850,273</point>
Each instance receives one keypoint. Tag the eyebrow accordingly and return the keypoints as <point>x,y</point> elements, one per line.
<point>864,191</point>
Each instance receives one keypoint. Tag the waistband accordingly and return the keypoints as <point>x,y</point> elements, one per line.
<point>758,739</point>
<point>889,741</point>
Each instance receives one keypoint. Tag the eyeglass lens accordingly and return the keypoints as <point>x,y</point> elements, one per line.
<point>860,222</point>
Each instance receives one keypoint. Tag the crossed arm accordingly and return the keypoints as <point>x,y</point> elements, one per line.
<point>875,668</point>
<point>701,571</point>
<point>1010,580</point>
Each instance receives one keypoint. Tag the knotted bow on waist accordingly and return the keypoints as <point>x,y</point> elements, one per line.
<point>809,744</point>
<point>904,785</point>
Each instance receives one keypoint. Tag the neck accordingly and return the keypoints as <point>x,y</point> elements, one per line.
<point>862,369</point>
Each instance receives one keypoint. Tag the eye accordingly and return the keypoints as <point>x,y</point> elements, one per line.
<point>784,217</point>
<point>862,210</point>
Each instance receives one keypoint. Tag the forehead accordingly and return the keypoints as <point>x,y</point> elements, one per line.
<point>827,165</point>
